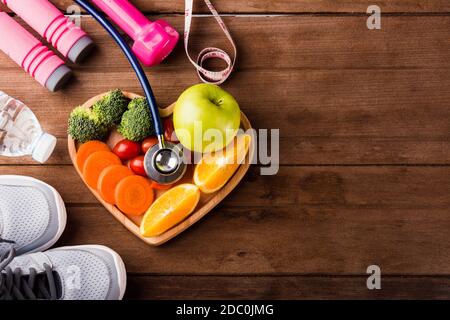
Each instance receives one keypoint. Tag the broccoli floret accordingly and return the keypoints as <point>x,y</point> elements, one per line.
<point>111,107</point>
<point>137,123</point>
<point>85,126</point>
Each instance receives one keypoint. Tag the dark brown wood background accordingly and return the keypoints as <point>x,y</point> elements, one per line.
<point>365,154</point>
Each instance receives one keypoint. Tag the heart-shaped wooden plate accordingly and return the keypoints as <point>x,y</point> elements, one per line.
<point>207,201</point>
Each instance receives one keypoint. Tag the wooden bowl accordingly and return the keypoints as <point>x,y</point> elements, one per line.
<point>207,201</point>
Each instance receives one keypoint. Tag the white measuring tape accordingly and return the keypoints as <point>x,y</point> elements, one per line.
<point>208,76</point>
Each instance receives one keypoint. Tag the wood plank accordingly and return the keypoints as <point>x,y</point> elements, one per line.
<point>335,227</point>
<point>395,187</point>
<point>328,104</point>
<point>349,124</point>
<point>404,42</point>
<point>282,6</point>
<point>322,150</point>
<point>334,114</point>
<point>317,151</point>
<point>291,287</point>
<point>342,219</point>
<point>299,240</point>
<point>301,42</point>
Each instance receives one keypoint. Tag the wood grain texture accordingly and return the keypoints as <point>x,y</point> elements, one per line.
<point>323,42</point>
<point>371,186</point>
<point>289,287</point>
<point>323,150</point>
<point>342,219</point>
<point>382,100</point>
<point>365,154</point>
<point>282,240</point>
<point>283,6</point>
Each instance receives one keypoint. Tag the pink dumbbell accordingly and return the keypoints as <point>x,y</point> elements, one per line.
<point>153,41</point>
<point>28,52</point>
<point>52,25</point>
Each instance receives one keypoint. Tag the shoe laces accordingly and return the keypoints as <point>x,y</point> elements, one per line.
<point>16,286</point>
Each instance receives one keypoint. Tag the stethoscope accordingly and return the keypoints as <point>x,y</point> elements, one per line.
<point>164,162</point>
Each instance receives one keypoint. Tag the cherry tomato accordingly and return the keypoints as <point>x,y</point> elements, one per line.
<point>169,131</point>
<point>157,186</point>
<point>126,149</point>
<point>137,166</point>
<point>148,143</point>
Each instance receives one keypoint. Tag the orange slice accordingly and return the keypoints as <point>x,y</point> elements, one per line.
<point>215,169</point>
<point>170,209</point>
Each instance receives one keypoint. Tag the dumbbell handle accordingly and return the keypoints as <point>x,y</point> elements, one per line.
<point>50,23</point>
<point>27,51</point>
<point>125,15</point>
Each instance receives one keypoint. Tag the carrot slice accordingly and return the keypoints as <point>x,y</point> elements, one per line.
<point>108,180</point>
<point>95,164</point>
<point>88,148</point>
<point>134,195</point>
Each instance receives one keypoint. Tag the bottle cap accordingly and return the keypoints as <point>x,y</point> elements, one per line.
<point>44,148</point>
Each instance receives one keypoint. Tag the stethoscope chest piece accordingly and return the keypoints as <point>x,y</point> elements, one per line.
<point>165,165</point>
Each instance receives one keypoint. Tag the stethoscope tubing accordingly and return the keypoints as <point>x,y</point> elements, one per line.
<point>133,61</point>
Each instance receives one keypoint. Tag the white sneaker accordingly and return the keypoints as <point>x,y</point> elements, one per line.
<point>69,273</point>
<point>32,215</point>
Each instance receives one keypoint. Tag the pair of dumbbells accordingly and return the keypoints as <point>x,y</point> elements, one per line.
<point>28,52</point>
<point>153,41</point>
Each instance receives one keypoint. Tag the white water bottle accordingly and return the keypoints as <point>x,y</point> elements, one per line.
<point>21,133</point>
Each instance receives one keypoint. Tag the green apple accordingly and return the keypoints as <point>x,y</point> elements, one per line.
<point>206,118</point>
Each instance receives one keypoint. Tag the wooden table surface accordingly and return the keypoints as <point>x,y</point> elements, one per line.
<point>364,118</point>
